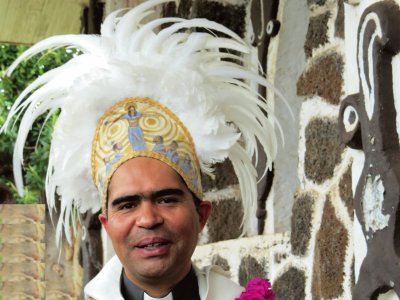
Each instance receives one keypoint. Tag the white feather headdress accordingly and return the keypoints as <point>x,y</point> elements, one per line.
<point>209,90</point>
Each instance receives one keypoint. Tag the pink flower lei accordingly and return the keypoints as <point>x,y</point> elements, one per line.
<point>257,289</point>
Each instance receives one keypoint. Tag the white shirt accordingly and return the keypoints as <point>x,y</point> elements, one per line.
<point>168,297</point>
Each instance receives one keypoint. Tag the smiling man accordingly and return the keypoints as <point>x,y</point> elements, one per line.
<point>198,106</point>
<point>152,212</point>
<point>153,222</point>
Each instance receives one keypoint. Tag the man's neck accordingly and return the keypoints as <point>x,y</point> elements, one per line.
<point>186,288</point>
<point>159,287</point>
<point>154,290</point>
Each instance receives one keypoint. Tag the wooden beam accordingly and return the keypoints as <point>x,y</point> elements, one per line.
<point>28,21</point>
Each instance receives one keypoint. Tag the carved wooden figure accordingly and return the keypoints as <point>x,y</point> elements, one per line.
<point>368,123</point>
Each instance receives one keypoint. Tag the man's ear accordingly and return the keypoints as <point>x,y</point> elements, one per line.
<point>103,220</point>
<point>205,208</point>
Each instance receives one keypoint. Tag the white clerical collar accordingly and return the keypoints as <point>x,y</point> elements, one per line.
<point>147,297</point>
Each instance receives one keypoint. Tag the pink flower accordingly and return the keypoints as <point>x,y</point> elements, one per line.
<point>257,289</point>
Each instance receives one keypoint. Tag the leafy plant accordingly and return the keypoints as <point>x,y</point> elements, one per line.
<point>38,142</point>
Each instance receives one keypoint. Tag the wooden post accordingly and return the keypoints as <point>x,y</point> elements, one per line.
<point>111,5</point>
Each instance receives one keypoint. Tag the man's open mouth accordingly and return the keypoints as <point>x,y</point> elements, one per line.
<point>153,245</point>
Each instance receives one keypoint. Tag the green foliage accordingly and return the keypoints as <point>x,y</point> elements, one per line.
<point>38,143</point>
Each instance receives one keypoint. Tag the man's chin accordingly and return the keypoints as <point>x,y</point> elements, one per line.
<point>152,266</point>
<point>152,273</point>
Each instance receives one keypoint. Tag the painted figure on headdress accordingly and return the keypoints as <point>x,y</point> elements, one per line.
<point>159,146</point>
<point>185,164</point>
<point>171,153</point>
<point>135,132</point>
<point>117,155</point>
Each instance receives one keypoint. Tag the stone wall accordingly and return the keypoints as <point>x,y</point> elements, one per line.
<point>324,253</point>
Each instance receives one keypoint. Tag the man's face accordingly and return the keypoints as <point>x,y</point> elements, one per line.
<point>132,110</point>
<point>152,221</point>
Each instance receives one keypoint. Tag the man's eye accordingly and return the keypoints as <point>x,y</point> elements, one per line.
<point>127,205</point>
<point>167,200</point>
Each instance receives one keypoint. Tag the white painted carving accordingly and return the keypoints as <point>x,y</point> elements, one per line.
<point>390,295</point>
<point>360,246</point>
<point>350,118</point>
<point>396,89</point>
<point>372,200</point>
<point>368,91</point>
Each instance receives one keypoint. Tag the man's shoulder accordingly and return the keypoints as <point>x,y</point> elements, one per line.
<point>214,284</point>
<point>106,284</point>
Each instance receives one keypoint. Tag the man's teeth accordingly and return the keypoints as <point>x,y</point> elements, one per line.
<point>153,245</point>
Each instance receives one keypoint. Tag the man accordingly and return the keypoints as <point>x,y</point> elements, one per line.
<point>195,97</point>
<point>153,222</point>
<point>153,215</point>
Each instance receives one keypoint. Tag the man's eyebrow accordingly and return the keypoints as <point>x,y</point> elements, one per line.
<point>166,192</point>
<point>153,195</point>
<point>127,198</point>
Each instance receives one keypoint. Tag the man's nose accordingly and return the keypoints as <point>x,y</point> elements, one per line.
<point>148,215</point>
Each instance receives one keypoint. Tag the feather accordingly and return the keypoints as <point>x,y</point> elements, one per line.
<point>132,19</point>
<point>80,42</point>
<point>212,92</point>
<point>139,37</point>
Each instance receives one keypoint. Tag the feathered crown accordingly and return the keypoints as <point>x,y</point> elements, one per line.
<point>209,91</point>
